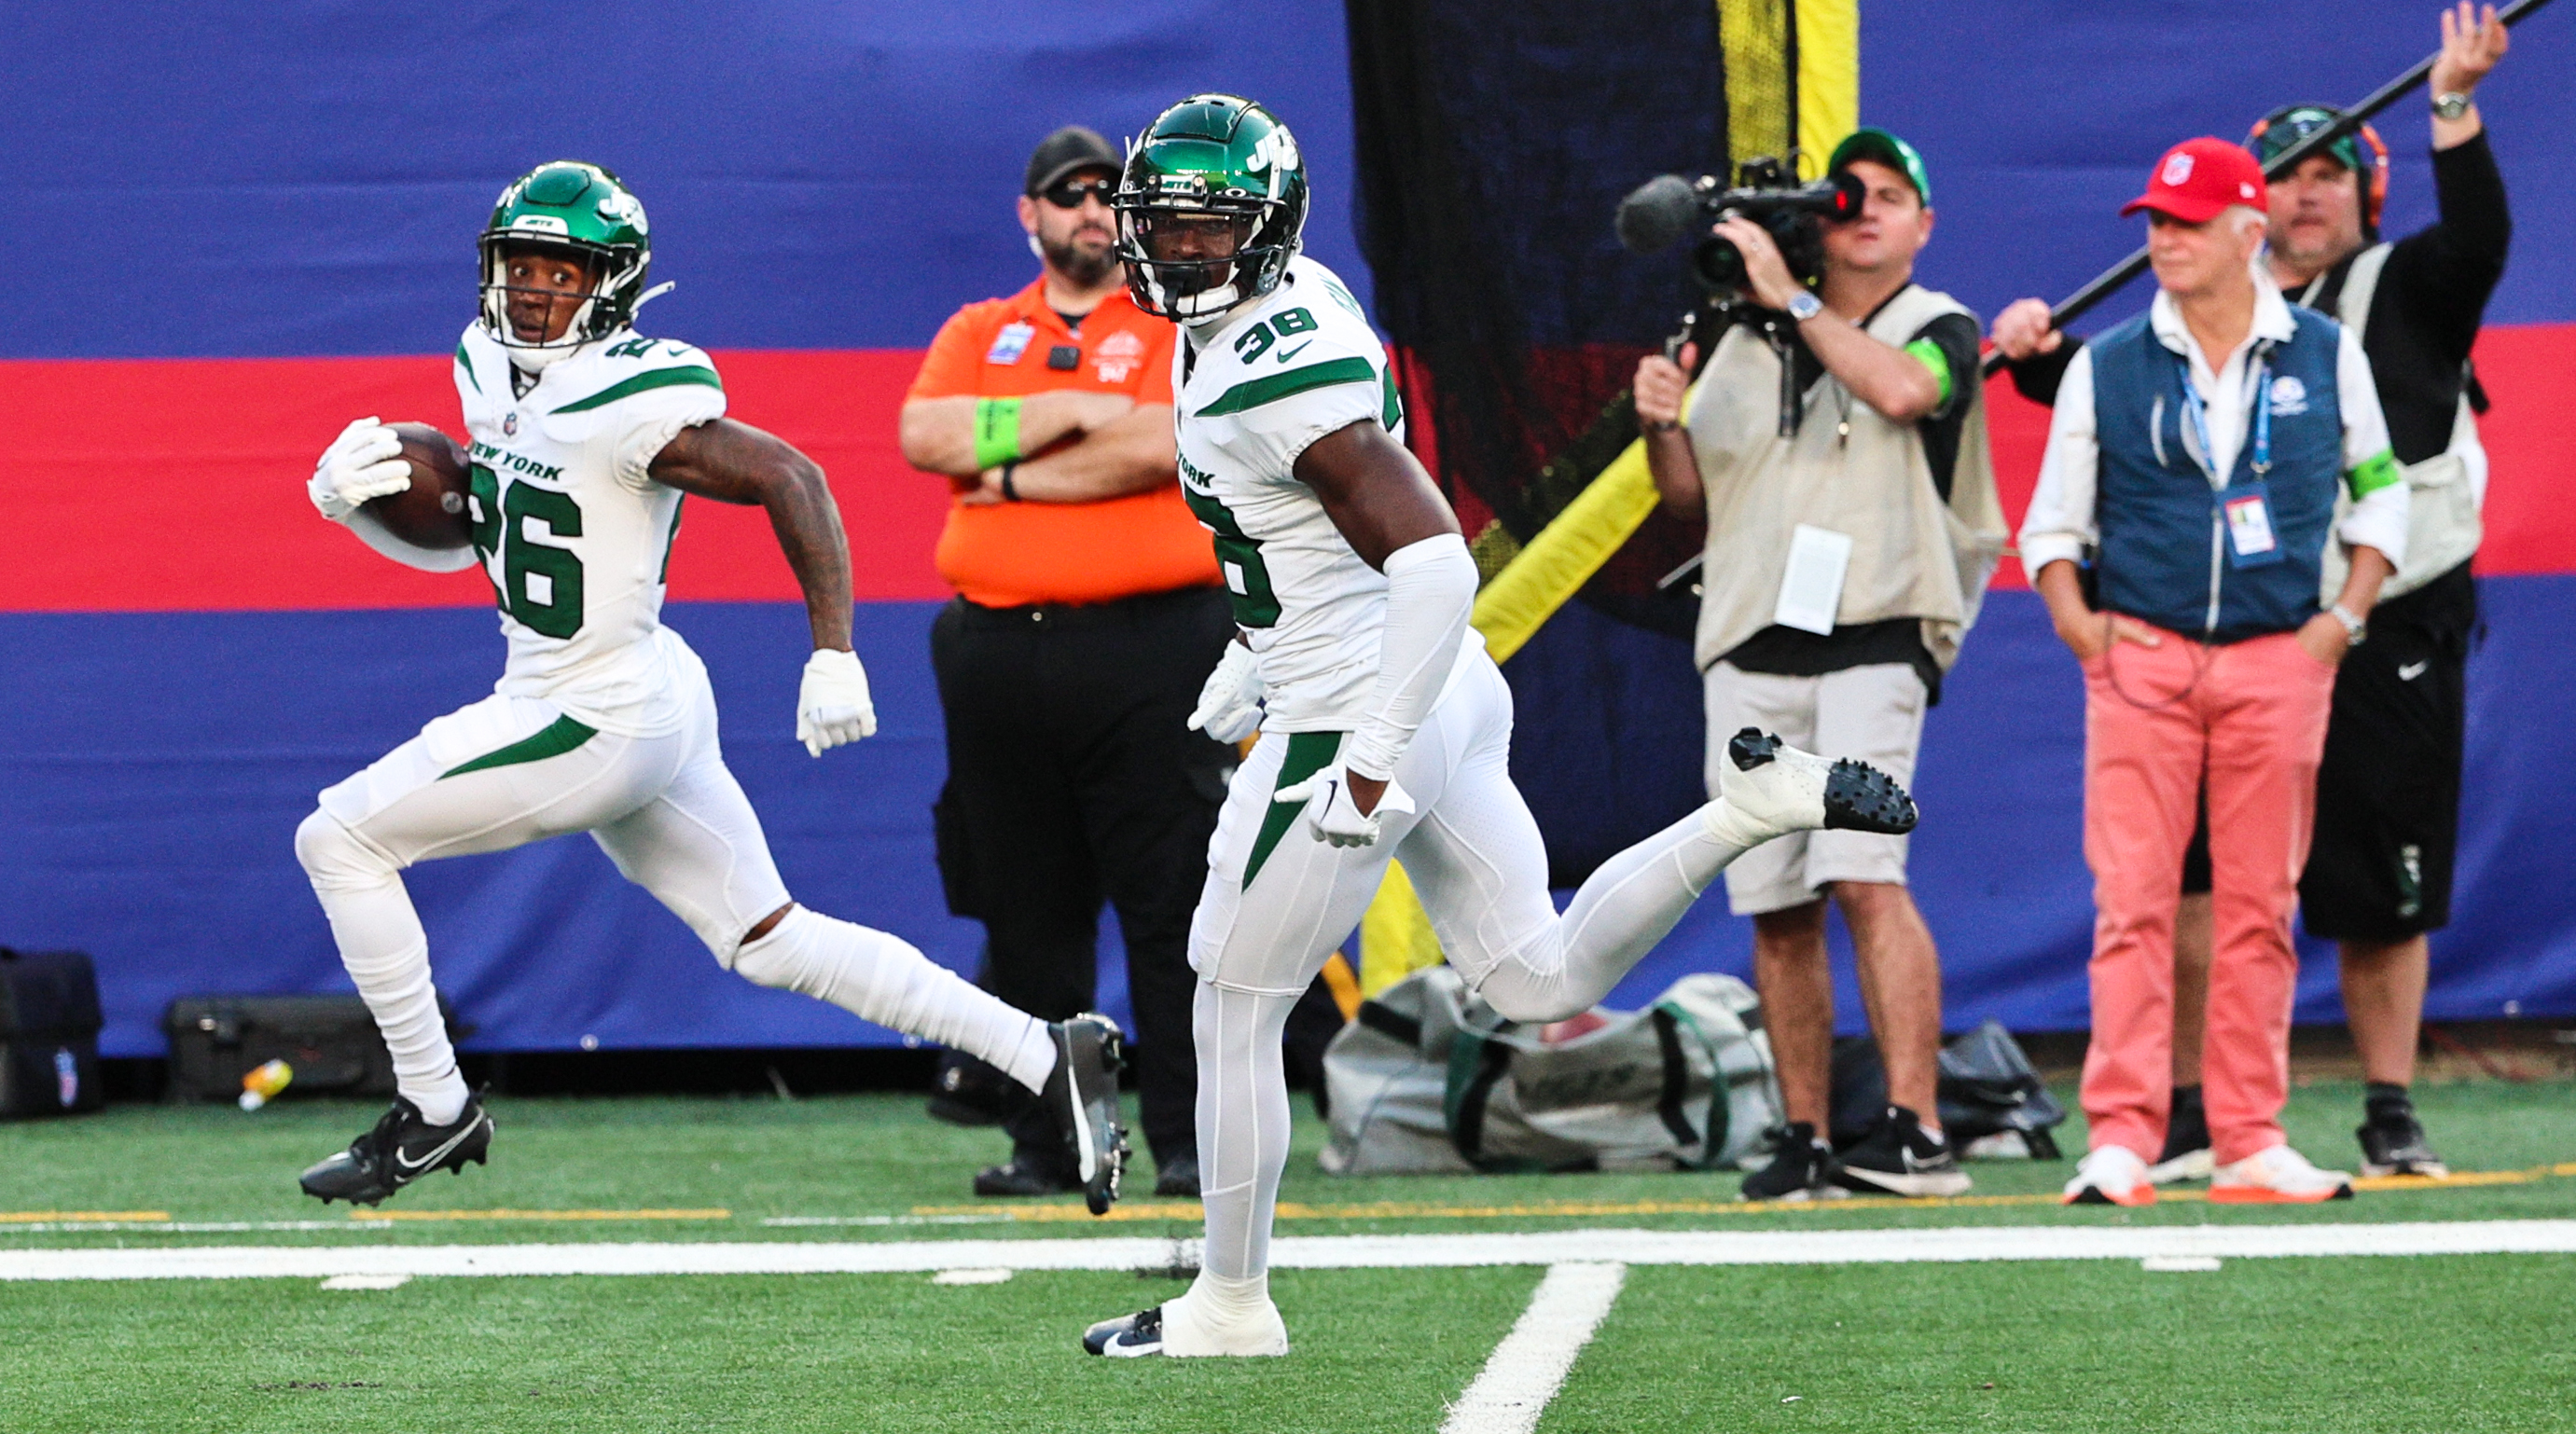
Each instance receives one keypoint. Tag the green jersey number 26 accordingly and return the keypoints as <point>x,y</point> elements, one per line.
<point>529,567</point>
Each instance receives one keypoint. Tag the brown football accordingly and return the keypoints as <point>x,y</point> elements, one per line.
<point>432,512</point>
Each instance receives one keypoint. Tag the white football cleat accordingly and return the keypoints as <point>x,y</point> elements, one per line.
<point>1173,1329</point>
<point>1767,788</point>
<point>2112,1175</point>
<point>2277,1176</point>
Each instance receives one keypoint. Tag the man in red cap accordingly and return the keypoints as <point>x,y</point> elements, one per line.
<point>2194,464</point>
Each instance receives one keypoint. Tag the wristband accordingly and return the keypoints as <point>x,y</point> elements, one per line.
<point>997,431</point>
<point>1010,493</point>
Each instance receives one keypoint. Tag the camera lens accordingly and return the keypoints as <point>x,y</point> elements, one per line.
<point>1718,265</point>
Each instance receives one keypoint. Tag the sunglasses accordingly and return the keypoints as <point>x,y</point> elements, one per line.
<point>1071,193</point>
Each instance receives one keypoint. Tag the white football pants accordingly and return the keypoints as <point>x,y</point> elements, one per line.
<point>507,771</point>
<point>1475,856</point>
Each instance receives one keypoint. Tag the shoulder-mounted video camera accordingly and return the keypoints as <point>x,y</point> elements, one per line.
<point>1664,209</point>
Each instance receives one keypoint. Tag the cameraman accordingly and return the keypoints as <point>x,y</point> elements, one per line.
<point>1885,462</point>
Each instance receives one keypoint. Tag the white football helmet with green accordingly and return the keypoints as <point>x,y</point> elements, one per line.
<point>566,204</point>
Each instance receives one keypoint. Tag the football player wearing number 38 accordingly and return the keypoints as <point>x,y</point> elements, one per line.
<point>584,438</point>
<point>1385,728</point>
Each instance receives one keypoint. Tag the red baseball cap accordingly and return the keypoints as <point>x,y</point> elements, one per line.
<point>2199,178</point>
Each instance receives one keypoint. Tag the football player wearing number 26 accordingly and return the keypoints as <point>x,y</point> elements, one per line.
<point>584,437</point>
<point>1385,728</point>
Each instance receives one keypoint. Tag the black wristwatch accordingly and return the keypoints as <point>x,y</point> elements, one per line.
<point>1010,494</point>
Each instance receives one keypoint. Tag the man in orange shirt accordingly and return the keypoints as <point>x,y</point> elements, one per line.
<point>1087,614</point>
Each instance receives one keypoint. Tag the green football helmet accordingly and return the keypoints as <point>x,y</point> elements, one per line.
<point>1210,167</point>
<point>568,205</point>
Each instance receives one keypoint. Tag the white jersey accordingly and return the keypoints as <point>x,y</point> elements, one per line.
<point>1278,374</point>
<point>573,531</point>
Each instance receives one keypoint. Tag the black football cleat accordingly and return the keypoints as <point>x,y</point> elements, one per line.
<point>399,1150</point>
<point>1128,1336</point>
<point>1082,1097</point>
<point>1788,790</point>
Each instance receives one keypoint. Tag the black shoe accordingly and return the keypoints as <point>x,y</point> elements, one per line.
<point>2187,1147</point>
<point>1854,795</point>
<point>1024,1176</point>
<point>1900,1157</point>
<point>399,1150</point>
<point>1127,1336</point>
<point>1082,1098</point>
<point>969,1092</point>
<point>2395,1145</point>
<point>1797,1169</point>
<point>1178,1179</point>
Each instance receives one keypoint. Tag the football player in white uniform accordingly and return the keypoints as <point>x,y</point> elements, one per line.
<point>1385,727</point>
<point>584,436</point>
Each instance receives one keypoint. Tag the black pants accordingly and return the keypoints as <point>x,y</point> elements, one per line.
<point>1073,779</point>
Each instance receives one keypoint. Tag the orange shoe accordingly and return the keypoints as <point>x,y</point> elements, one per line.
<point>2277,1176</point>
<point>2111,1175</point>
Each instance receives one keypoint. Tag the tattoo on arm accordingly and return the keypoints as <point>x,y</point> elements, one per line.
<point>736,463</point>
<point>1374,490</point>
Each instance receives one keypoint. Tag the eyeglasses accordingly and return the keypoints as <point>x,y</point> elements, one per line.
<point>1071,193</point>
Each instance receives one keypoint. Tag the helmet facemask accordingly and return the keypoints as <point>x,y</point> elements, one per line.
<point>1211,205</point>
<point>581,328</point>
<point>1193,263</point>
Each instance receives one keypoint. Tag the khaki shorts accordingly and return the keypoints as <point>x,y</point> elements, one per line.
<point>1874,713</point>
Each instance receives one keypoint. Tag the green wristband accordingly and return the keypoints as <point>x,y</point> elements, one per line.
<point>997,432</point>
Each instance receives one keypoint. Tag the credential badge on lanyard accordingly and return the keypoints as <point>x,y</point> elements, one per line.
<point>2246,507</point>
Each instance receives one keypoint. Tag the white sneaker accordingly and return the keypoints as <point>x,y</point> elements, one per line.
<point>1767,788</point>
<point>2277,1176</point>
<point>2111,1175</point>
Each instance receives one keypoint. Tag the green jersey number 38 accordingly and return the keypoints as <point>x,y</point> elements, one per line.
<point>528,567</point>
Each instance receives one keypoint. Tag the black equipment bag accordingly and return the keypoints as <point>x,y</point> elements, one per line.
<point>1987,1087</point>
<point>49,1021</point>
<point>331,1041</point>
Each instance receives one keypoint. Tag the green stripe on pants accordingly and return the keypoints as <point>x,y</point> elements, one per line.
<point>1308,753</point>
<point>559,737</point>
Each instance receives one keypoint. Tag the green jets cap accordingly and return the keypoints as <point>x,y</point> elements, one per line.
<point>1871,142</point>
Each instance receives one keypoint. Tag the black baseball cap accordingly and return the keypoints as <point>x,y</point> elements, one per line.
<point>1067,150</point>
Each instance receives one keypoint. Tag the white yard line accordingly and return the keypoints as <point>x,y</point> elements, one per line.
<point>1529,1366</point>
<point>1337,1252</point>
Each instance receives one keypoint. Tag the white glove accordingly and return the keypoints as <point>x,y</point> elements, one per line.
<point>1230,703</point>
<point>364,462</point>
<point>832,706</point>
<point>1331,814</point>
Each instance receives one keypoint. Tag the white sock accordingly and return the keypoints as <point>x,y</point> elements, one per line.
<point>885,979</point>
<point>1243,1140</point>
<point>387,953</point>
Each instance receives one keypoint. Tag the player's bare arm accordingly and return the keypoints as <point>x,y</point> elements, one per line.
<point>938,434</point>
<point>1377,495</point>
<point>736,463</point>
<point>1132,454</point>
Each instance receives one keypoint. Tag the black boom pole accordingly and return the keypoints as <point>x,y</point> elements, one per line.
<point>2110,280</point>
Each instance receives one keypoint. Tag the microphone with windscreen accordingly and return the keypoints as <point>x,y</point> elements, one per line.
<point>1662,211</point>
<point>1656,214</point>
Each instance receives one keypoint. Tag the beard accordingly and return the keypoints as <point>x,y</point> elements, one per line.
<point>1084,266</point>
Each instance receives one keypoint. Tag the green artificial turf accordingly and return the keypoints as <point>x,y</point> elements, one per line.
<point>2410,1343</point>
<point>877,1156</point>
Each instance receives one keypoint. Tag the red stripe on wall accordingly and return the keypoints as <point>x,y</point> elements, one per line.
<point>2530,373</point>
<point>160,484</point>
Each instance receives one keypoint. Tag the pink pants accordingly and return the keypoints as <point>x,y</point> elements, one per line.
<point>2252,713</point>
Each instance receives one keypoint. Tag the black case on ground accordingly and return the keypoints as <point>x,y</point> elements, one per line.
<point>49,1020</point>
<point>331,1041</point>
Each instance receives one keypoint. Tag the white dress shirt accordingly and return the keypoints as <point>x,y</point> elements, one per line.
<point>2061,522</point>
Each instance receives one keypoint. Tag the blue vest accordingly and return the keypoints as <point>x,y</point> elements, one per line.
<point>2165,556</point>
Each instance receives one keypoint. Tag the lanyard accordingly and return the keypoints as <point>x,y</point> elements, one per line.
<point>2192,405</point>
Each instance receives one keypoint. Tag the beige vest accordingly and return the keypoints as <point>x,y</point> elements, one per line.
<point>2446,493</point>
<point>1912,554</point>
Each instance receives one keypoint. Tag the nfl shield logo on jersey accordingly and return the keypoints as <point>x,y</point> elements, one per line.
<point>510,423</point>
